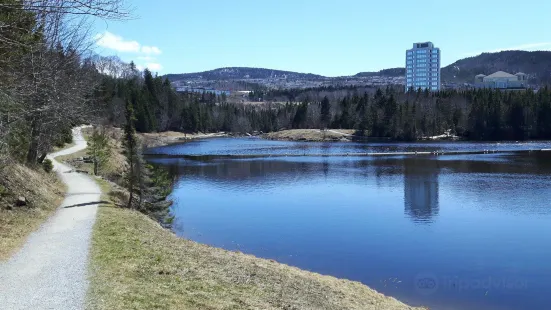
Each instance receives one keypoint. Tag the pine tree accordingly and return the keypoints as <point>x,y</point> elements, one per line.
<point>98,149</point>
<point>131,153</point>
<point>325,112</point>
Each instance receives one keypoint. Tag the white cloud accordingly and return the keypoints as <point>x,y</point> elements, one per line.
<point>115,42</point>
<point>146,58</point>
<point>151,50</point>
<point>143,53</point>
<point>153,66</point>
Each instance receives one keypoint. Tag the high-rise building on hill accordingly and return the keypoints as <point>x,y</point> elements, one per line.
<point>423,67</point>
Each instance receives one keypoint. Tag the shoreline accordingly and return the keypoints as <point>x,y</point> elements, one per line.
<point>157,139</point>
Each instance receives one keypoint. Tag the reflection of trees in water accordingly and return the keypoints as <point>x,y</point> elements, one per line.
<point>420,174</point>
<point>421,189</point>
<point>266,170</point>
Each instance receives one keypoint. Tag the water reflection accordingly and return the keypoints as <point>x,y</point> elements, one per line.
<point>366,219</point>
<point>421,189</point>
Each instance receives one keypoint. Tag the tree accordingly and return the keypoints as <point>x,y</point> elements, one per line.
<point>131,153</point>
<point>325,112</point>
<point>98,149</point>
<point>301,115</point>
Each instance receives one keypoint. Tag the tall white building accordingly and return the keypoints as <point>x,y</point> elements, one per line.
<point>423,67</point>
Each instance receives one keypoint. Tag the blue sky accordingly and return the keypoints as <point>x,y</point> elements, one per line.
<point>328,37</point>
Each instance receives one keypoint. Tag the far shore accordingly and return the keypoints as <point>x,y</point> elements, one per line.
<point>156,139</point>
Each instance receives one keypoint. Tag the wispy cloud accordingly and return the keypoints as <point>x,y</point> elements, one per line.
<point>143,53</point>
<point>152,66</point>
<point>151,50</point>
<point>541,46</point>
<point>115,42</point>
<point>146,58</point>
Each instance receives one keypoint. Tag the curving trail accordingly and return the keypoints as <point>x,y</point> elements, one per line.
<point>50,271</point>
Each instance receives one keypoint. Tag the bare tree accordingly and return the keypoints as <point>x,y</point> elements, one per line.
<point>46,75</point>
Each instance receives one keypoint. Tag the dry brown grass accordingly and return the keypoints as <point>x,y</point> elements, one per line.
<point>136,264</point>
<point>154,139</point>
<point>310,135</point>
<point>43,192</point>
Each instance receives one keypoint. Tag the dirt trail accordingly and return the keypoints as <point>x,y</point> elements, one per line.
<point>50,271</point>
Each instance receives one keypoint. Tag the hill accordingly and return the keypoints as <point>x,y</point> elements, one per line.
<point>392,72</point>
<point>232,73</point>
<point>536,64</point>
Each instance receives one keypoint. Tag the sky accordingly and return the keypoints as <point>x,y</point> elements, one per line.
<point>327,37</point>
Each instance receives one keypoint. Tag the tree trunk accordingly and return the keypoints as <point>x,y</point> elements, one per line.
<point>42,157</point>
<point>32,152</point>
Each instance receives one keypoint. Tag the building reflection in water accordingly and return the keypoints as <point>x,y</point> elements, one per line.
<point>421,189</point>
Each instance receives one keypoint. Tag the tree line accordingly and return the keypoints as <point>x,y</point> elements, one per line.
<point>476,114</point>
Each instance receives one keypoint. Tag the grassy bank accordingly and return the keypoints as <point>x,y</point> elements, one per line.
<point>154,139</point>
<point>310,135</point>
<point>136,264</point>
<point>43,193</point>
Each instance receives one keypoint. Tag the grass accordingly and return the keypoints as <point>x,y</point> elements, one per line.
<point>137,264</point>
<point>43,192</point>
<point>310,134</point>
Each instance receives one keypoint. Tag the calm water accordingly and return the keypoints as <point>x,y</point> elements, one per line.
<point>449,232</point>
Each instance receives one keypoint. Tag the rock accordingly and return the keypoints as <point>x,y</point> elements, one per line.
<point>21,201</point>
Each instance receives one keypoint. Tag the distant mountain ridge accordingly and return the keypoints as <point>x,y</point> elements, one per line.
<point>537,65</point>
<point>230,73</point>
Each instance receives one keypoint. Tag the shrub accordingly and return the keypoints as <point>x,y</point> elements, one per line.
<point>47,165</point>
<point>3,191</point>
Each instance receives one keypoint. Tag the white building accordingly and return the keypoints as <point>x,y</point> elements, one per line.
<point>501,80</point>
<point>423,67</point>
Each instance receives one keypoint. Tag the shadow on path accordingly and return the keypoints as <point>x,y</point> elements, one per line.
<point>87,204</point>
<point>82,193</point>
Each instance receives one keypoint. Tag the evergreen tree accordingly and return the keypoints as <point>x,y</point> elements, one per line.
<point>325,112</point>
<point>98,149</point>
<point>131,153</point>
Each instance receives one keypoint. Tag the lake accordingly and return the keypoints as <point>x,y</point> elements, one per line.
<point>448,232</point>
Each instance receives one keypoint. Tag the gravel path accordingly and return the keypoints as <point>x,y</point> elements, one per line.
<point>50,271</point>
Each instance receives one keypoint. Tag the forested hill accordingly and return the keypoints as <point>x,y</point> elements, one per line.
<point>384,72</point>
<point>536,64</point>
<point>232,73</point>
